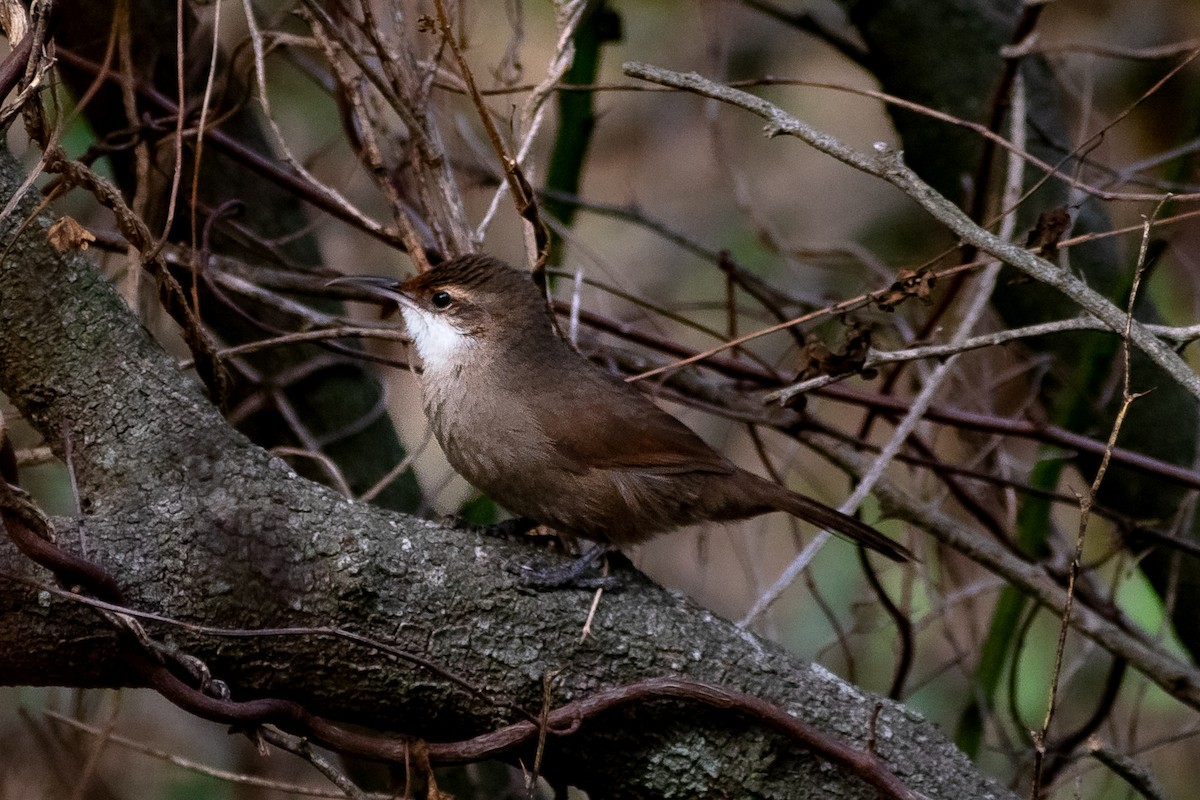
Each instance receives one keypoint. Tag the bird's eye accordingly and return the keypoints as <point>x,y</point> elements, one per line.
<point>440,299</point>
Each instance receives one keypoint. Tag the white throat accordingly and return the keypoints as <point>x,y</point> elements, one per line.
<point>438,342</point>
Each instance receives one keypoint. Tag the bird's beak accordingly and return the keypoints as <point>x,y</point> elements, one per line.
<point>387,288</point>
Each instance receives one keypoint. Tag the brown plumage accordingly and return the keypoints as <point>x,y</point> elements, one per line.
<point>549,436</point>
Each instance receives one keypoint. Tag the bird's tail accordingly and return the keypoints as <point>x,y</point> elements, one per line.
<point>835,521</point>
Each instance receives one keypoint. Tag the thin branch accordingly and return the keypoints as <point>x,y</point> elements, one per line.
<point>981,130</point>
<point>1024,428</point>
<point>568,17</point>
<point>519,189</point>
<point>1177,335</point>
<point>841,307</point>
<point>805,21</point>
<point>181,101</point>
<point>260,79</point>
<point>1154,53</point>
<point>1177,678</point>
<point>1085,508</point>
<point>313,193</point>
<point>336,479</point>
<point>889,165</point>
<point>362,128</point>
<point>1136,775</point>
<point>301,747</point>
<point>195,766</point>
<point>976,307</point>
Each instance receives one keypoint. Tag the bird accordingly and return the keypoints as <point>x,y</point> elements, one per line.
<point>553,438</point>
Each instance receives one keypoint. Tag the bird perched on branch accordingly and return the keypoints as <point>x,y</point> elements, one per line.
<point>551,437</point>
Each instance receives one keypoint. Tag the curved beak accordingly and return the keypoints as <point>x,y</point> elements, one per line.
<point>377,286</point>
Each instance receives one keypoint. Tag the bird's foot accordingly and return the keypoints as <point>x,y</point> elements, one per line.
<point>573,575</point>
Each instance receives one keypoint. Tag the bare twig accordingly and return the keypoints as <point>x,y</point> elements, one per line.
<point>206,101</point>
<point>328,193</point>
<point>1179,679</point>
<point>888,165</point>
<point>1136,775</point>
<point>568,16</point>
<point>1085,507</point>
<point>518,186</point>
<point>301,747</point>
<point>364,129</point>
<point>402,466</point>
<point>841,307</point>
<point>875,358</point>
<point>103,736</point>
<point>177,139</point>
<point>924,399</point>
<point>1153,53</point>
<point>195,766</point>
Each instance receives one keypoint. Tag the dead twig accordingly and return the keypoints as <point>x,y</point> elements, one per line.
<point>1085,508</point>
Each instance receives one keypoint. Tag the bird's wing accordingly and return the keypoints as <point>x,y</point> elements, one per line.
<point>607,424</point>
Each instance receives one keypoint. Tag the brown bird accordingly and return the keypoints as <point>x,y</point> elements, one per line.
<point>544,433</point>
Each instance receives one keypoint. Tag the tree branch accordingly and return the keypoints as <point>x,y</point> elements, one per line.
<point>889,165</point>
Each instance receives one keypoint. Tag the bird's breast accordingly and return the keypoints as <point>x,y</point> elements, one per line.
<point>487,433</point>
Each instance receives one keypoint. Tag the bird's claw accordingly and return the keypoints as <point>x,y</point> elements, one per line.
<point>572,575</point>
